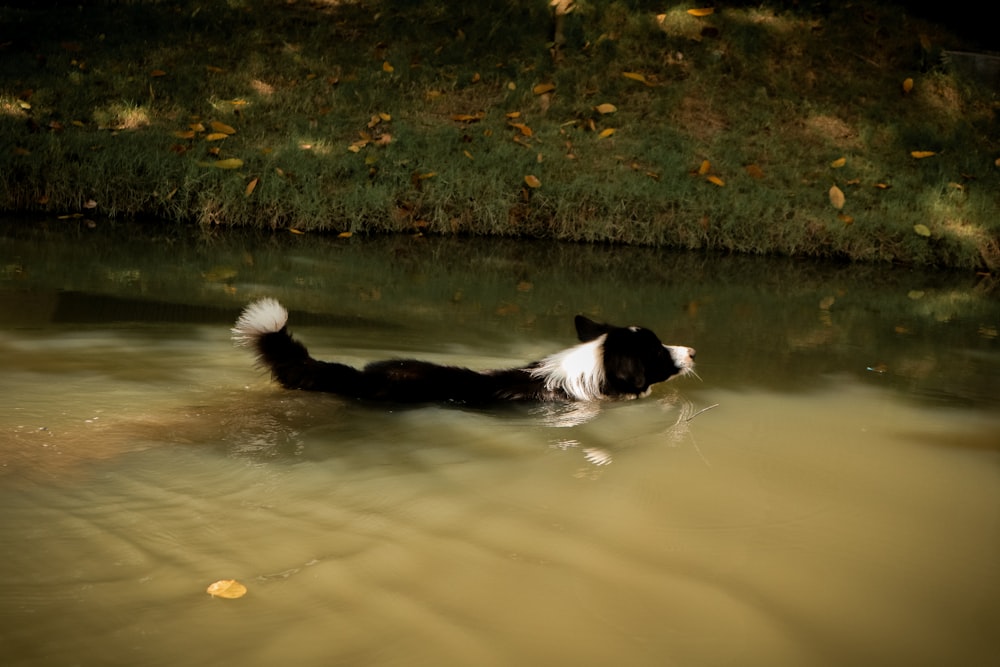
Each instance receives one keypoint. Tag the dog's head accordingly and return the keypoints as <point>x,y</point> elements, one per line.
<point>634,358</point>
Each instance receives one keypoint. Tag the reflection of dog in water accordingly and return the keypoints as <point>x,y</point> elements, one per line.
<point>609,363</point>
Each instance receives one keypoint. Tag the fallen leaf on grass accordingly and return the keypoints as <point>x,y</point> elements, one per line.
<point>838,163</point>
<point>251,186</point>
<point>543,88</point>
<point>387,67</point>
<point>837,198</point>
<point>705,166</point>
<point>228,163</point>
<point>227,588</point>
<point>702,11</point>
<point>635,76</point>
<point>216,136</point>
<point>716,181</point>
<point>522,128</point>
<point>922,154</point>
<point>532,181</point>
<point>605,108</point>
<point>157,73</point>
<point>222,127</point>
<point>922,230</point>
<point>907,85</point>
<point>605,133</point>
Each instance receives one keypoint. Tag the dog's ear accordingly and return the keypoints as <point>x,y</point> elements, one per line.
<point>587,329</point>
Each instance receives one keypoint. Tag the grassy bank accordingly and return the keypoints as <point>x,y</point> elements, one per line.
<point>752,129</point>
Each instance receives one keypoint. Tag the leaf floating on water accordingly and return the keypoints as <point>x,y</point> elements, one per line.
<point>922,154</point>
<point>922,230</point>
<point>837,198</point>
<point>227,588</point>
<point>532,181</point>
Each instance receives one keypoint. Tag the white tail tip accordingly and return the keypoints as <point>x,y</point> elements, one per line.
<point>261,317</point>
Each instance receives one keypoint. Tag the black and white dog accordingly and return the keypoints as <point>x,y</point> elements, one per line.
<point>609,363</point>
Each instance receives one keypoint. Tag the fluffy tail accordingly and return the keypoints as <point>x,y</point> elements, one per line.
<point>262,328</point>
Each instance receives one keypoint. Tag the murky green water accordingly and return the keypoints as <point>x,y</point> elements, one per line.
<point>840,505</point>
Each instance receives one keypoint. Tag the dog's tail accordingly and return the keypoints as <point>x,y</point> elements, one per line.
<point>262,328</point>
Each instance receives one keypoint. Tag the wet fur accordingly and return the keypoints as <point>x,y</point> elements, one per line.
<point>609,363</point>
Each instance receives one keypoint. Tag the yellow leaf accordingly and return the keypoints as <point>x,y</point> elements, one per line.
<point>467,154</point>
<point>251,186</point>
<point>429,174</point>
<point>514,114</point>
<point>716,180</point>
<point>922,154</point>
<point>605,108</point>
<point>197,127</point>
<point>184,134</point>
<point>214,70</point>
<point>837,198</point>
<point>635,76</point>
<point>882,186</point>
<point>838,163</point>
<point>703,11</point>
<point>922,230</point>
<point>229,163</point>
<point>227,588</point>
<point>543,88</point>
<point>387,67</point>
<point>384,116</point>
<point>907,85</point>
<point>216,136</point>
<point>344,235</point>
<point>705,166</point>
<point>522,128</point>
<point>222,127</point>
<point>605,133</point>
<point>295,231</point>
<point>468,117</point>
<point>846,219</point>
<point>532,181</point>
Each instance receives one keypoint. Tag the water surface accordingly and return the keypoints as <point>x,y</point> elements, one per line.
<point>839,505</point>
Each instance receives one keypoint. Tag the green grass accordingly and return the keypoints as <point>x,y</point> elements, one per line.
<point>91,102</point>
